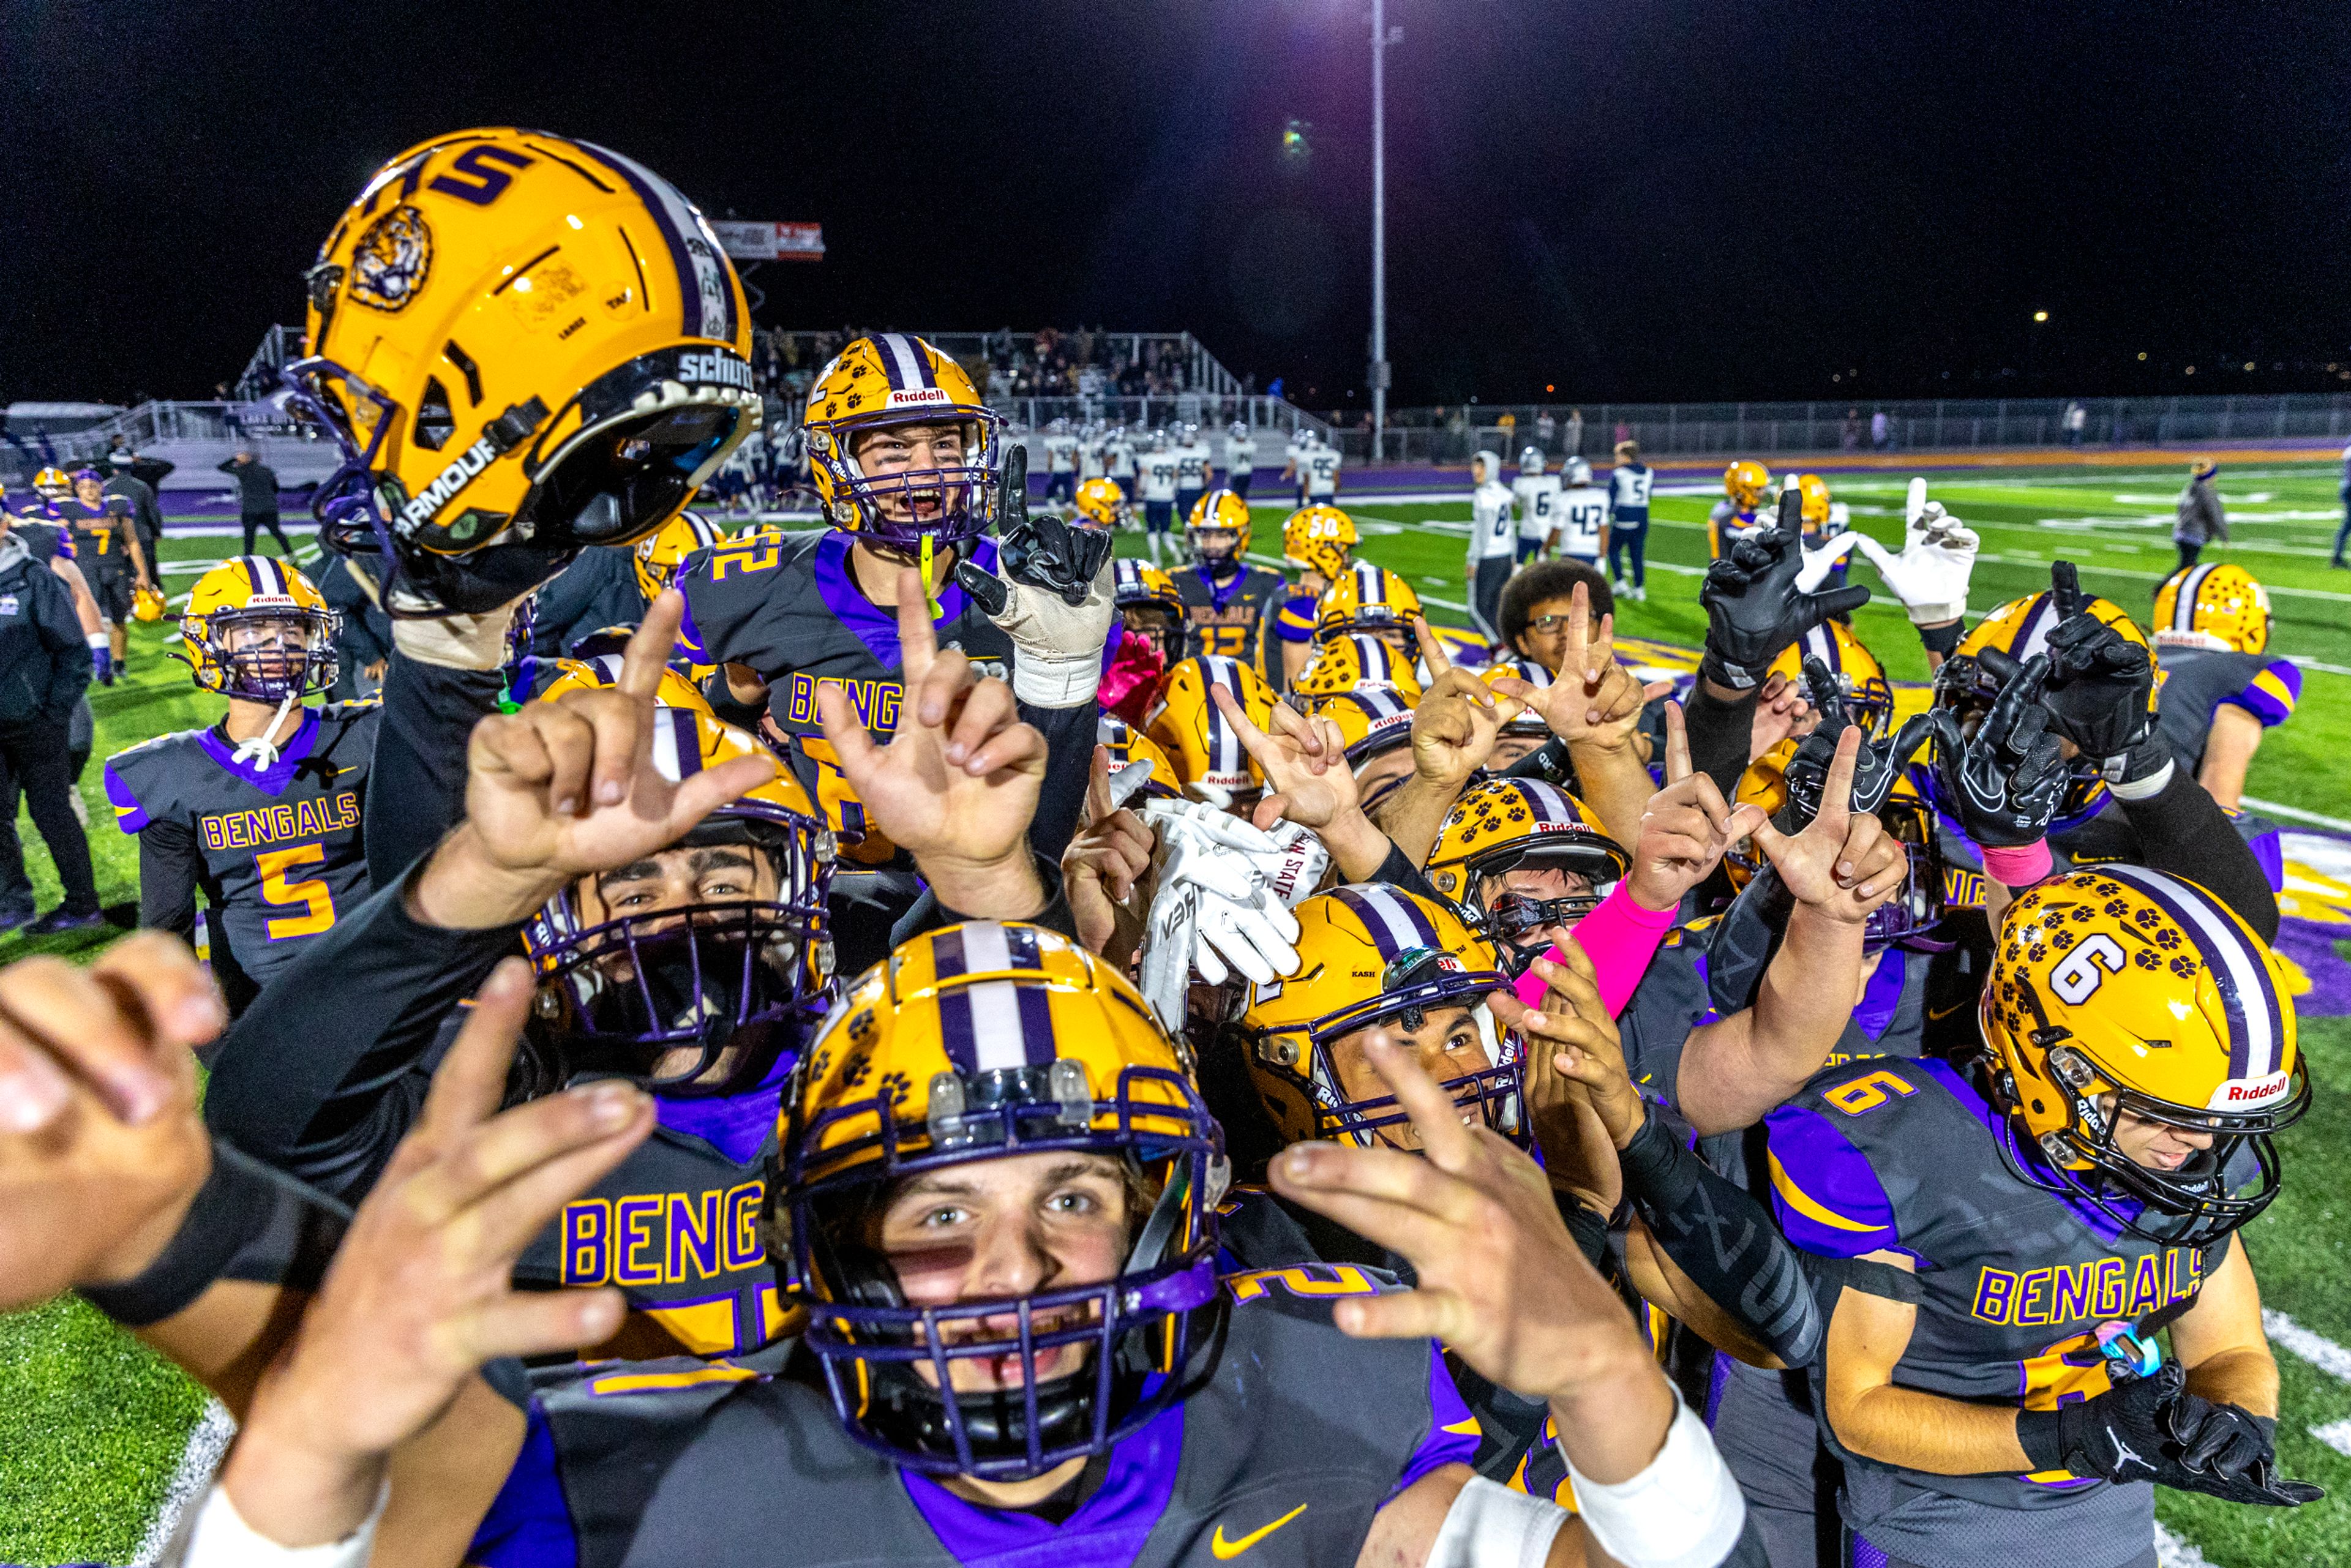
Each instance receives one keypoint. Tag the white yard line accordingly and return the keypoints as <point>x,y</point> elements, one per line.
<point>2314,1348</point>
<point>2170,1552</point>
<point>190,1481</point>
<point>2316,819</point>
<point>2335,1434</point>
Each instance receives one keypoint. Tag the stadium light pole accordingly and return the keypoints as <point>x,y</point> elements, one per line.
<point>1379,230</point>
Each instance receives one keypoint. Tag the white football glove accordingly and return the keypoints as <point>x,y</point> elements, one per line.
<point>1821,559</point>
<point>1223,901</point>
<point>1057,648</point>
<point>1938,556</point>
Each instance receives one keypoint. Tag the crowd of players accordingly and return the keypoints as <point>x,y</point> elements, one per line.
<point>915,1041</point>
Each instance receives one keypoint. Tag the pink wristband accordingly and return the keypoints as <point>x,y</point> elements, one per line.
<point>1620,938</point>
<point>2019,867</point>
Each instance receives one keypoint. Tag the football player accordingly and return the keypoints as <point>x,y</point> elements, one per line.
<point>1227,602</point>
<point>1194,463</point>
<point>934,1195</point>
<point>263,810</point>
<point>1317,543</point>
<point>1240,458</point>
<point>1630,482</point>
<point>1210,755</point>
<point>1102,504</point>
<point>2221,691</point>
<point>2076,1194</point>
<point>1060,463</point>
<point>106,549</point>
<point>1536,493</point>
<point>1317,469</point>
<point>42,529</point>
<point>1745,484</point>
<point>1582,531</point>
<point>1156,480</point>
<point>1118,459</point>
<point>1492,550</point>
<point>1373,601</point>
<point>1152,613</point>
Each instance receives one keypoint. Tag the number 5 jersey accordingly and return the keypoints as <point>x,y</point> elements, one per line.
<point>276,850</point>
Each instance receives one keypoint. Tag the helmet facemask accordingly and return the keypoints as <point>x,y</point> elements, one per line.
<point>945,504</point>
<point>247,662</point>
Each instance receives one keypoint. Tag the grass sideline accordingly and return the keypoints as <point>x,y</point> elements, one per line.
<point>98,1422</point>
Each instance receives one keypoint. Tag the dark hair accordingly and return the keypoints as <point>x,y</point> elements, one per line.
<point>1547,579</point>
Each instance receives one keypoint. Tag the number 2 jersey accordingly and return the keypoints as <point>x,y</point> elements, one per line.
<point>276,851</point>
<point>2013,1281</point>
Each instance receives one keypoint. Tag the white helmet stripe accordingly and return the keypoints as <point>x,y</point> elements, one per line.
<point>1387,915</point>
<point>1224,754</point>
<point>2040,620</point>
<point>902,360</point>
<point>2256,1025</point>
<point>2183,612</point>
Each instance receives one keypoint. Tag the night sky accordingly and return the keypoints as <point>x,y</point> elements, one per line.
<point>1629,200</point>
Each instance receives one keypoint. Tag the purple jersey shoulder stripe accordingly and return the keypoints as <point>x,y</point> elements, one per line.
<point>1452,1436</point>
<point>129,814</point>
<point>1828,1199</point>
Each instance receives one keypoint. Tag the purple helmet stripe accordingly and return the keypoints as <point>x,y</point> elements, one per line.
<point>2032,630</point>
<point>705,302</point>
<point>1394,923</point>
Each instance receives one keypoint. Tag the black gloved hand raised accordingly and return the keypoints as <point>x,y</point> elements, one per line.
<point>2008,777</point>
<point>1753,608</point>
<point>2100,681</point>
<point>2149,1429</point>
<point>1875,771</point>
<point>1043,552</point>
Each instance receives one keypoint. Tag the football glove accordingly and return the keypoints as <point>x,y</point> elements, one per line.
<point>1223,901</point>
<point>1822,556</point>
<point>1938,556</point>
<point>1052,595</point>
<point>2152,1430</point>
<point>2009,777</point>
<point>1754,606</point>
<point>1876,771</point>
<point>2099,683</point>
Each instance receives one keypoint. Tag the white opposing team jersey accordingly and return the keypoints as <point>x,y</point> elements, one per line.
<point>1158,476</point>
<point>1061,454</point>
<point>1629,485</point>
<point>1321,466</point>
<point>1192,465</point>
<point>1089,460</point>
<point>1491,535</point>
<point>1583,514</point>
<point>1118,457</point>
<point>1537,498</point>
<point>1240,457</point>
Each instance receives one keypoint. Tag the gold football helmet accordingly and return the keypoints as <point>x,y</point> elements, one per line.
<point>1102,503</point>
<point>1195,734</point>
<point>147,602</point>
<point>1527,721</point>
<point>1319,539</point>
<point>1514,824</point>
<point>659,553</point>
<point>1219,510</point>
<point>600,670</point>
<point>894,379</point>
<point>1371,719</point>
<point>1355,661</point>
<point>988,1041</point>
<point>2218,605</point>
<point>1369,955</point>
<point>1746,482</point>
<point>1813,491</point>
<point>1366,597</point>
<point>256,628</point>
<point>1860,679</point>
<point>2120,989</point>
<point>1129,745</point>
<point>1141,587</point>
<point>521,341</point>
<point>51,484</point>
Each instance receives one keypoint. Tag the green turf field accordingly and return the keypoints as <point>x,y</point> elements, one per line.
<point>94,1424</point>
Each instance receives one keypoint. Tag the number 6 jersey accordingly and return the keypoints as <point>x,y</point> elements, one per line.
<point>276,851</point>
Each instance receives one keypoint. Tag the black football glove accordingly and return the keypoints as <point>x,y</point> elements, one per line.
<point>1875,771</point>
<point>1753,610</point>
<point>2009,777</point>
<point>2152,1430</point>
<point>2100,683</point>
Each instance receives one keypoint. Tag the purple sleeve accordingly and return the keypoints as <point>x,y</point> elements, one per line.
<point>1827,1198</point>
<point>1452,1438</point>
<point>129,814</point>
<point>2270,694</point>
<point>528,1523</point>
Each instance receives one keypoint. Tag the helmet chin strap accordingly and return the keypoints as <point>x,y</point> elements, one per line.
<point>930,569</point>
<point>262,750</point>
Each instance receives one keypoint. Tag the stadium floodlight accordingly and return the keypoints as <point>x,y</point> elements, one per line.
<point>2041,314</point>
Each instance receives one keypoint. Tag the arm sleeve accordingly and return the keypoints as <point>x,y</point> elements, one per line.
<point>416,785</point>
<point>326,1072</point>
<point>1069,761</point>
<point>168,866</point>
<point>226,466</point>
<point>2183,831</point>
<point>1719,734</point>
<point>1398,871</point>
<point>929,914</point>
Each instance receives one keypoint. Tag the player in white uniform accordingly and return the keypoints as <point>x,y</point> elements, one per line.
<point>1493,541</point>
<point>1319,466</point>
<point>1537,493</point>
<point>1060,465</point>
<point>1090,450</point>
<point>1582,514</point>
<point>1240,459</point>
<point>1158,465</point>
<point>1193,462</point>
<point>1118,458</point>
<point>1629,485</point>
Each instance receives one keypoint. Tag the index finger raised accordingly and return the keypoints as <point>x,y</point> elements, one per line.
<point>1678,751</point>
<point>918,641</point>
<point>1432,652</point>
<point>650,646</point>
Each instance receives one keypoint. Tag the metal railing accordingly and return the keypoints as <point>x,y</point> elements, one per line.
<point>279,346</point>
<point>1759,429</point>
<point>1177,355</point>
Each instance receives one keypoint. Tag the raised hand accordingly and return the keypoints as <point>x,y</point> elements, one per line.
<point>556,790</point>
<point>1593,702</point>
<point>420,1292</point>
<point>1574,1110</point>
<point>1685,827</point>
<point>1843,863</point>
<point>1104,864</point>
<point>957,785</point>
<point>2009,777</point>
<point>1876,770</point>
<point>1580,1044</point>
<point>1054,600</point>
<point>1780,711</point>
<point>1304,761</point>
<point>101,1149</point>
<point>1929,578</point>
<point>2101,684</point>
<point>1754,608</point>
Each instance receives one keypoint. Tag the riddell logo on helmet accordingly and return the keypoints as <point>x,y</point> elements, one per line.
<point>919,395</point>
<point>2240,1094</point>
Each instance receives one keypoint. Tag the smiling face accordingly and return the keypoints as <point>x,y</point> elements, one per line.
<point>1447,1044</point>
<point>911,448</point>
<point>988,1229</point>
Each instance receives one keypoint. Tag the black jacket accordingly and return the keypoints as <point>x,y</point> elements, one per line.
<point>257,485</point>
<point>45,664</point>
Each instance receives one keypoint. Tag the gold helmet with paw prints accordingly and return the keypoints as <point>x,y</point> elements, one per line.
<point>1355,661</point>
<point>658,554</point>
<point>2217,605</point>
<point>1320,538</point>
<point>1368,598</point>
<point>1205,747</point>
<point>897,382</point>
<point>1523,824</point>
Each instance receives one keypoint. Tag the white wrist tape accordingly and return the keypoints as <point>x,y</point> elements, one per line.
<point>457,642</point>
<point>2145,789</point>
<point>97,640</point>
<point>1683,1511</point>
<point>222,1539</point>
<point>1056,681</point>
<point>1490,1526</point>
